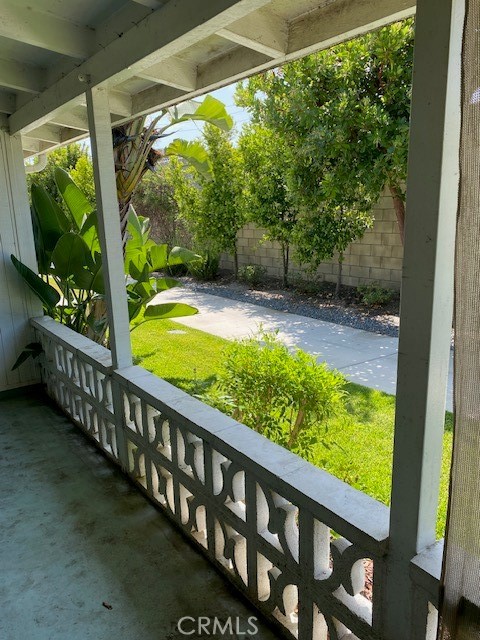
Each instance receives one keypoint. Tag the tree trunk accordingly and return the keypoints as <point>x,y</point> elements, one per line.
<point>235,262</point>
<point>339,274</point>
<point>399,207</point>
<point>285,259</point>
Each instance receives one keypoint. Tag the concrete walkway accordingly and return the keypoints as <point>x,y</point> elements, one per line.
<point>366,358</point>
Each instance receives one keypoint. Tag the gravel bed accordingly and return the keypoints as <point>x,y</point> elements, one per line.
<point>352,315</point>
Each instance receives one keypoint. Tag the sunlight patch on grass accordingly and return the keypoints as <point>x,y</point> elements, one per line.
<point>189,360</point>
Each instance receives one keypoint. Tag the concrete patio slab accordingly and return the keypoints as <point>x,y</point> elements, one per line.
<point>84,555</point>
<point>370,359</point>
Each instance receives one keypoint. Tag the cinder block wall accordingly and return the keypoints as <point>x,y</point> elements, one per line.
<point>377,257</point>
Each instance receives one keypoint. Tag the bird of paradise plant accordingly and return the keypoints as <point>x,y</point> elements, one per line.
<point>134,152</point>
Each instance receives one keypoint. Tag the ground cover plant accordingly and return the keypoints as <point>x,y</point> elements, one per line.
<point>356,444</point>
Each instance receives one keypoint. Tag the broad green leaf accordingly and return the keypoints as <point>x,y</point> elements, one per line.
<point>89,232</point>
<point>145,226</point>
<point>43,256</point>
<point>210,110</point>
<point>71,255</point>
<point>134,228</point>
<point>144,290</point>
<point>134,309</point>
<point>90,280</point>
<point>163,284</point>
<point>75,200</point>
<point>179,110</point>
<point>44,291</point>
<point>51,220</point>
<point>179,255</point>
<point>97,284</point>
<point>148,290</point>
<point>158,256</point>
<point>136,264</point>
<point>169,310</point>
<point>194,152</point>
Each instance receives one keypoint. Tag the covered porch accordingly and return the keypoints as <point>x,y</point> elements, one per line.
<point>83,554</point>
<point>292,539</point>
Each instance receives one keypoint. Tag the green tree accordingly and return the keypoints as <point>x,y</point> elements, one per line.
<point>269,201</point>
<point>155,199</point>
<point>345,112</point>
<point>212,204</point>
<point>65,158</point>
<point>82,175</point>
<point>187,191</point>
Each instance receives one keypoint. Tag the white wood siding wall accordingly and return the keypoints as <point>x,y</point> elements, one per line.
<point>17,304</point>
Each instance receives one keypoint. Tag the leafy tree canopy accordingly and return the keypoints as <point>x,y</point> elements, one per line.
<point>269,201</point>
<point>212,204</point>
<point>65,158</point>
<point>345,114</point>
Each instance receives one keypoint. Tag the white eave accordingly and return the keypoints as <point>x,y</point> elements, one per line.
<point>153,53</point>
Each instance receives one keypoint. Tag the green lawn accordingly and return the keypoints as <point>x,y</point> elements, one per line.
<point>356,446</point>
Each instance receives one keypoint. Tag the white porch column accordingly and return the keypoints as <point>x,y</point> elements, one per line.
<point>109,226</point>
<point>17,302</point>
<point>426,303</point>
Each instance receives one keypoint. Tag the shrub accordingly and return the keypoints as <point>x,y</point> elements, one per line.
<point>375,296</point>
<point>252,274</point>
<point>285,396</point>
<point>310,286</point>
<point>205,267</point>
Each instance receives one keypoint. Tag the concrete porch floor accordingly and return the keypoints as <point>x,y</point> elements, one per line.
<point>75,534</point>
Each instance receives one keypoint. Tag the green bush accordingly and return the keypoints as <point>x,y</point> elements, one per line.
<point>310,286</point>
<point>251,274</point>
<point>285,396</point>
<point>375,296</point>
<point>205,267</point>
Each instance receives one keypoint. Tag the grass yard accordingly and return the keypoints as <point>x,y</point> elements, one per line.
<point>356,446</point>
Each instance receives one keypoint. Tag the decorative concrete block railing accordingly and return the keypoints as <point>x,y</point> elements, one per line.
<point>292,538</point>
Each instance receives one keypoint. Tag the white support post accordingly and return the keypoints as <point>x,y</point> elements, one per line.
<point>109,226</point>
<point>426,304</point>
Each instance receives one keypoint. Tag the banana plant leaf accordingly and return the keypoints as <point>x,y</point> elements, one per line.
<point>51,221</point>
<point>74,198</point>
<point>147,290</point>
<point>194,152</point>
<point>44,291</point>
<point>169,310</point>
<point>179,255</point>
<point>210,110</point>
<point>137,265</point>
<point>89,232</point>
<point>71,256</point>
<point>135,228</point>
<point>158,257</point>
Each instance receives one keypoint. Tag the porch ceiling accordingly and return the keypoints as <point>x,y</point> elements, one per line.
<point>153,53</point>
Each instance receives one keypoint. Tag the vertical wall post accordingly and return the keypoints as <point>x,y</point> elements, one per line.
<point>426,303</point>
<point>17,303</point>
<point>109,225</point>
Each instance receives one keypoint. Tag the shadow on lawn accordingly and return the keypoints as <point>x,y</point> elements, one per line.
<point>363,402</point>
<point>193,386</point>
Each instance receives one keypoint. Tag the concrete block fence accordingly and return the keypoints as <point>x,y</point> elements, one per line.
<point>377,257</point>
